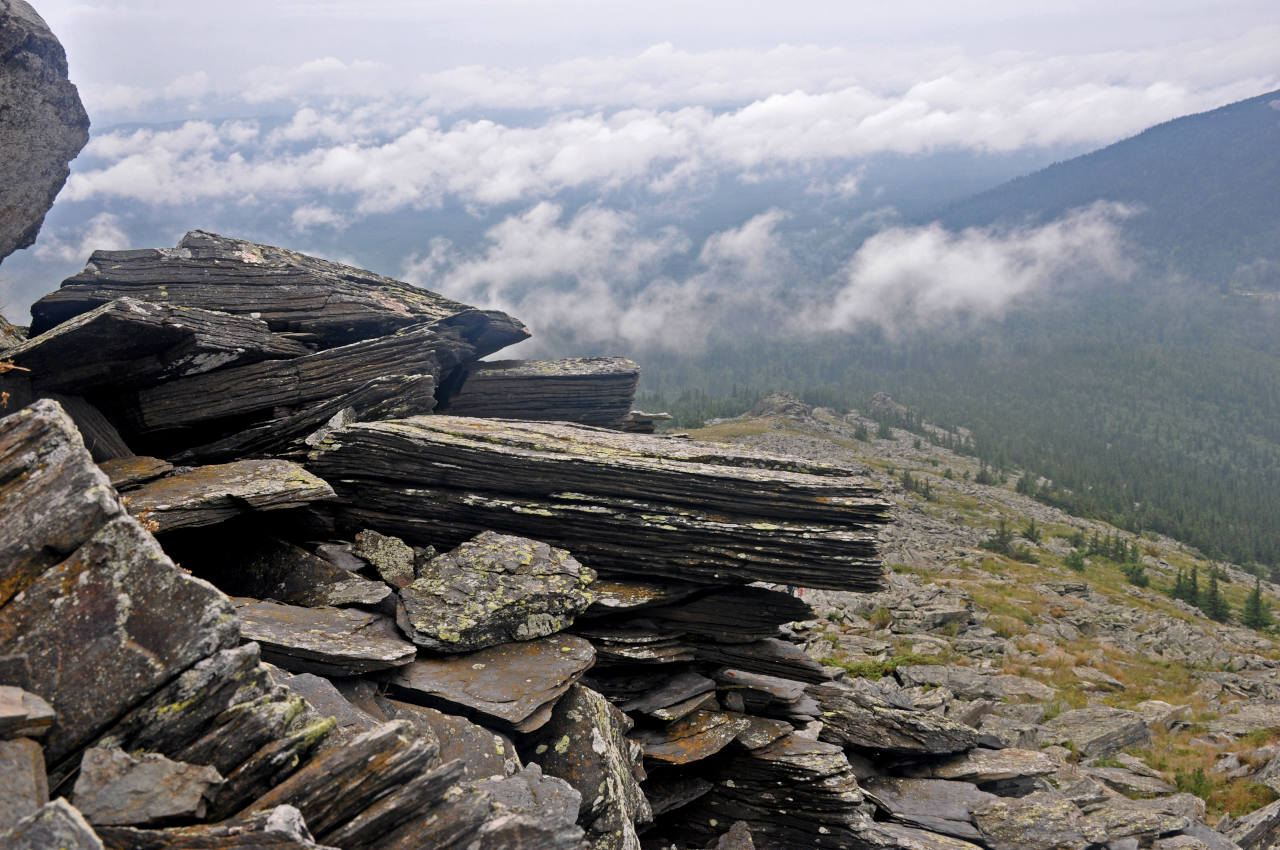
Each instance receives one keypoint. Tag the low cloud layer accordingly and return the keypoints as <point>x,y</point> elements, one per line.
<point>593,279</point>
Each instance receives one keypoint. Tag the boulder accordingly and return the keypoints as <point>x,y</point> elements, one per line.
<point>863,716</point>
<point>585,744</point>
<point>1258,829</point>
<point>1041,820</point>
<point>55,825</point>
<point>968,683</point>
<point>326,641</point>
<point>700,512</point>
<point>936,805</point>
<point>323,302</point>
<point>512,687</point>
<point>391,557</point>
<point>1247,716</point>
<point>1097,731</point>
<point>118,788</point>
<point>530,810</point>
<point>44,124</point>
<point>493,589</point>
<point>983,765</point>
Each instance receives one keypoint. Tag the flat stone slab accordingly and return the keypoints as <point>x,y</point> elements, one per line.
<point>1097,731</point>
<point>1039,820</point>
<point>281,828</point>
<point>699,735</point>
<point>983,765</point>
<point>23,714</point>
<point>328,303</point>
<point>483,753</point>
<point>128,472</point>
<point>699,512</point>
<point>119,788</point>
<point>208,495</point>
<point>1129,783</point>
<point>670,691</point>
<point>129,343</point>
<point>1246,717</point>
<point>613,596</point>
<point>493,589</point>
<point>325,641</point>
<point>937,805</point>
<point>513,686</point>
<point>968,683</point>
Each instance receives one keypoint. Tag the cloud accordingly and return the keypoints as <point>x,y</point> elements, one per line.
<point>923,277</point>
<point>313,216</point>
<point>103,232</point>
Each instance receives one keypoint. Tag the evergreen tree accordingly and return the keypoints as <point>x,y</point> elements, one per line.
<point>1032,532</point>
<point>1257,613</point>
<point>1214,604</point>
<point>1074,560</point>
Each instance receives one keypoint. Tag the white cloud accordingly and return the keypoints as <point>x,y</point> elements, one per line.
<point>103,232</point>
<point>911,277</point>
<point>314,216</point>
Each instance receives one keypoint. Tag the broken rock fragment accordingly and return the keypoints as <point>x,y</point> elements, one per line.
<point>56,825</point>
<point>23,785</point>
<point>115,787</point>
<point>325,641</point>
<point>589,391</point>
<point>493,589</point>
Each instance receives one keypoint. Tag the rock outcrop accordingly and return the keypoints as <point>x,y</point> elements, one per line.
<point>42,123</point>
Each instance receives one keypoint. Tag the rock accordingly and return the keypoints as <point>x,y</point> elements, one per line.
<point>936,805</point>
<point>639,422</point>
<point>117,788</point>
<point>326,641</point>
<point>698,736</point>
<point>982,765</point>
<point>56,825</point>
<point>391,557</point>
<point>100,435</point>
<point>44,125</point>
<point>585,744</point>
<point>328,303</point>
<point>1257,830</point>
<point>1097,731</point>
<point>1211,838</point>
<point>906,838</point>
<point>281,827</point>
<point>769,657</point>
<point>967,683</point>
<point>493,589</point>
<point>668,794</point>
<point>224,402</point>
<point>589,391</point>
<point>137,344</point>
<point>1118,818</point>
<point>328,701</point>
<point>737,838</point>
<point>484,754</point>
<point>612,596</point>
<point>674,690</point>
<point>861,715</point>
<point>336,790</point>
<point>1247,716</point>
<point>247,563</point>
<point>23,714</point>
<point>1159,713</point>
<point>96,627</point>
<point>51,499</point>
<point>125,473</point>
<point>770,696</point>
<point>530,810</point>
<point>1130,784</point>
<point>290,432</point>
<point>734,615</point>
<point>513,686</point>
<point>23,785</point>
<point>700,512</point>
<point>794,792</point>
<point>208,495</point>
<point>1096,679</point>
<point>1010,732</point>
<point>1041,820</point>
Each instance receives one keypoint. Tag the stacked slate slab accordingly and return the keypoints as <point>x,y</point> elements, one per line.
<point>325,608</point>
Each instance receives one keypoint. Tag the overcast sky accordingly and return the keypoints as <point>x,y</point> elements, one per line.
<point>325,113</point>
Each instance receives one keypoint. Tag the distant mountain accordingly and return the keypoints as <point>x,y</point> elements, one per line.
<point>1207,187</point>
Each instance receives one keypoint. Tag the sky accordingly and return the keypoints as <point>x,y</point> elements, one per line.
<point>559,125</point>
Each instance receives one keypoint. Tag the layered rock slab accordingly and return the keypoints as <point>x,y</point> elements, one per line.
<point>325,641</point>
<point>325,302</point>
<point>588,391</point>
<point>97,628</point>
<point>43,125</point>
<point>700,512</point>
<point>208,495</point>
<point>493,589</point>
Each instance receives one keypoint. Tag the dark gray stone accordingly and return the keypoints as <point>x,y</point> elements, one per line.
<point>56,825</point>
<point>23,786</point>
<point>326,641</point>
<point>42,123</point>
<point>493,589</point>
<point>118,788</point>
